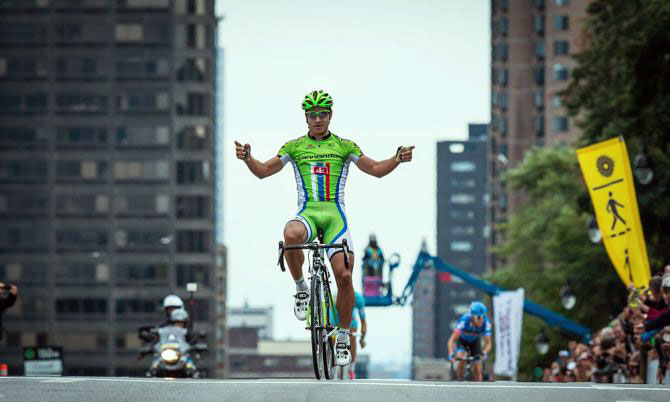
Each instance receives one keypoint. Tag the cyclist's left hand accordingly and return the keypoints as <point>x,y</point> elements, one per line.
<point>404,154</point>
<point>363,342</point>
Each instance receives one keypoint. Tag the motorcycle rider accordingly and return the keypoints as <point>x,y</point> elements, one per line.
<point>171,303</point>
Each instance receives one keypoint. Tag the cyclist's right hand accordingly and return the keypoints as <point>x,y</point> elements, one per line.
<point>242,151</point>
<point>450,357</point>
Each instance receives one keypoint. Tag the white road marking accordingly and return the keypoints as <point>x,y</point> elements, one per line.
<point>63,380</point>
<point>507,385</point>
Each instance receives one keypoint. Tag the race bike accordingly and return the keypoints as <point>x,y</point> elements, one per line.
<point>173,355</point>
<point>322,329</point>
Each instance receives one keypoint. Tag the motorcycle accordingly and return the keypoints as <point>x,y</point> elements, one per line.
<point>172,352</point>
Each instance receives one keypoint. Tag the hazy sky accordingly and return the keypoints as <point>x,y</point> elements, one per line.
<point>401,72</point>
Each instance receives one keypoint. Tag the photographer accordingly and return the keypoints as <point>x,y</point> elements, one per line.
<point>7,299</point>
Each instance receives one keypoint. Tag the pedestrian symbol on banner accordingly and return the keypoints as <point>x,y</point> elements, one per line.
<point>607,173</point>
<point>612,208</point>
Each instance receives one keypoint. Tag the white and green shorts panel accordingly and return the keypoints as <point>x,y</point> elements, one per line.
<point>331,218</point>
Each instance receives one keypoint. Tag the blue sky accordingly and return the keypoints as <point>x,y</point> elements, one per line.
<point>401,73</point>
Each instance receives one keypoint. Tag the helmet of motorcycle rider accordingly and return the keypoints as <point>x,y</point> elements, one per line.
<point>172,302</point>
<point>178,315</point>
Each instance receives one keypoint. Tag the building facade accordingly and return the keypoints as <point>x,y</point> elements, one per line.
<point>107,170</point>
<point>532,44</point>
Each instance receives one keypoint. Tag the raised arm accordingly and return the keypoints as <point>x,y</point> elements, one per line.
<point>258,168</point>
<point>381,169</point>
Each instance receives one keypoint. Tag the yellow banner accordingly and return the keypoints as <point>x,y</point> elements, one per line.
<point>607,173</point>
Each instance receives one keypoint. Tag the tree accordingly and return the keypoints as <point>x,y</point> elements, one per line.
<point>546,243</point>
<point>621,86</point>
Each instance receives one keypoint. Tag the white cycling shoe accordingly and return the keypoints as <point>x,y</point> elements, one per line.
<point>342,350</point>
<point>300,305</point>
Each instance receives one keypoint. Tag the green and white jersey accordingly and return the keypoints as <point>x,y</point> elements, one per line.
<point>320,167</point>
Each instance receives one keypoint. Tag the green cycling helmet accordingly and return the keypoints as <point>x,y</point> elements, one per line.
<point>317,99</point>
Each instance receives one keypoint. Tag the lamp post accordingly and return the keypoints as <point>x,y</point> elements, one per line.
<point>594,232</point>
<point>542,342</point>
<point>568,297</point>
<point>643,169</point>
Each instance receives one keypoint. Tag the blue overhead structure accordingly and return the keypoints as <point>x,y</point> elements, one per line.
<point>424,260</point>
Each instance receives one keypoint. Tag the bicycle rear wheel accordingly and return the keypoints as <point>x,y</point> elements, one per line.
<point>316,327</point>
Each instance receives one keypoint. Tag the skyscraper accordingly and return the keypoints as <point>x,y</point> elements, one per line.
<point>532,43</point>
<point>438,299</point>
<point>107,166</point>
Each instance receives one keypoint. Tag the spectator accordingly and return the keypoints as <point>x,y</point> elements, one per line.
<point>653,304</point>
<point>8,294</point>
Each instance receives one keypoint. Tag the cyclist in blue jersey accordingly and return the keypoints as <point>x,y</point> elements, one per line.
<point>359,310</point>
<point>466,339</point>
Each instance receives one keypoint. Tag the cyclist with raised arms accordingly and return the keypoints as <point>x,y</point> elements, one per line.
<point>466,339</point>
<point>320,161</point>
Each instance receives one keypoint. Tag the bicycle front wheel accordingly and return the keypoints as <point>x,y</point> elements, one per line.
<point>329,367</point>
<point>316,327</point>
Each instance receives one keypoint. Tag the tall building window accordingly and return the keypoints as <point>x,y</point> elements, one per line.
<point>142,240</point>
<point>561,47</point>
<point>142,204</point>
<point>561,22</point>
<point>89,274</point>
<point>538,75</point>
<point>141,170</point>
<point>193,104</point>
<point>135,102</point>
<point>193,137</point>
<point>538,24</point>
<point>193,7</point>
<point>81,136</point>
<point>81,204</point>
<point>194,36</point>
<point>560,123</point>
<point>503,26</point>
<point>461,246</point>
<point>77,103</point>
<point>144,3</point>
<point>462,198</point>
<point>150,273</point>
<point>556,101</point>
<point>139,136</point>
<point>193,206</point>
<point>15,238</point>
<point>23,67</point>
<point>23,204</point>
<point>193,69</point>
<point>81,169</point>
<point>35,103</point>
<point>539,4</point>
<point>193,172</point>
<point>504,50</point>
<point>539,50</point>
<point>129,32</point>
<point>142,68</point>
<point>538,99</point>
<point>15,33</point>
<point>560,72</point>
<point>538,125</point>
<point>462,166</point>
<point>23,137</point>
<point>82,239</point>
<point>23,170</point>
<point>193,241</point>
<point>198,273</point>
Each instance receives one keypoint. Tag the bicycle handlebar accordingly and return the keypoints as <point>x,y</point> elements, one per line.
<point>314,247</point>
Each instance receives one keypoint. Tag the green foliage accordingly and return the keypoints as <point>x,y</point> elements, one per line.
<point>621,86</point>
<point>546,243</point>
